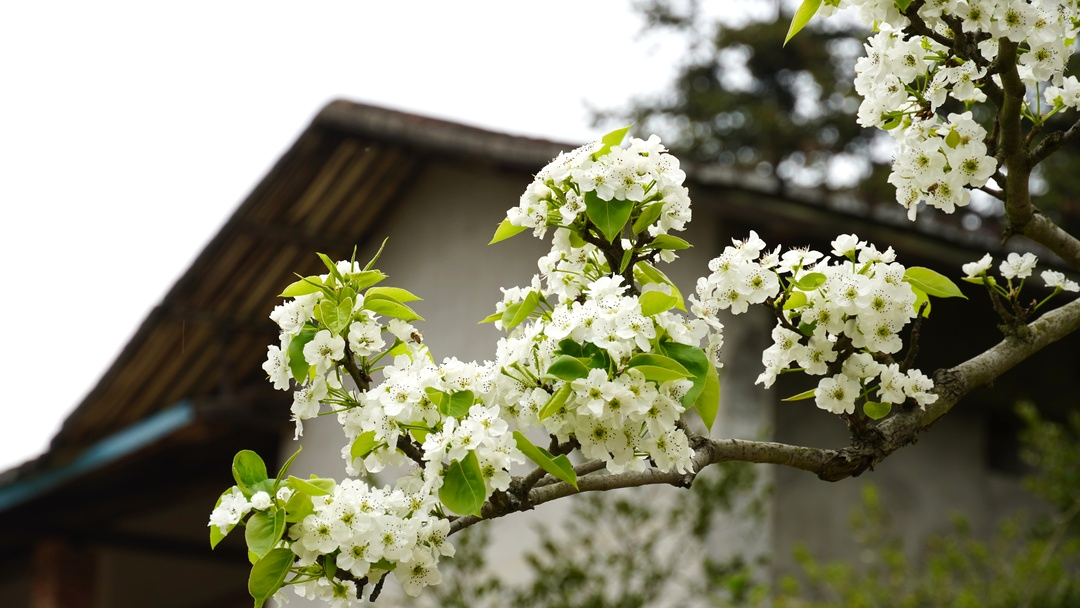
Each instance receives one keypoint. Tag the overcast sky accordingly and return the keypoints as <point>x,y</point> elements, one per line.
<point>129,132</point>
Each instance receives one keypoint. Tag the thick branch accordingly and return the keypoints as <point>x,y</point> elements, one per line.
<point>951,385</point>
<point>1044,231</point>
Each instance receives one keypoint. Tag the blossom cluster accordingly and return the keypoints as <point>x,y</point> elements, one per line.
<point>600,356</point>
<point>372,530</point>
<point>837,317</point>
<point>641,177</point>
<point>908,76</point>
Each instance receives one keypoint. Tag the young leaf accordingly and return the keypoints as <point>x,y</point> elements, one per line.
<point>809,394</point>
<point>463,486</point>
<point>517,313</point>
<point>611,140</point>
<point>794,300</point>
<point>708,402</point>
<point>248,469</point>
<point>391,308</point>
<point>803,15</point>
<point>374,258</point>
<point>933,283</point>
<point>298,507</point>
<point>660,367</point>
<point>505,231</point>
<point>285,469</point>
<point>312,487</point>
<point>363,445</point>
<point>648,215</point>
<point>264,530</point>
<point>298,365</point>
<point>396,294</point>
<point>367,278</point>
<point>268,574</point>
<point>876,410</point>
<point>567,368</point>
<point>646,273</point>
<point>303,287</point>
<point>332,267</point>
<point>626,256</point>
<point>695,361</point>
<point>458,404</point>
<point>667,241</point>
<point>810,281</point>
<point>495,316</point>
<point>336,317</point>
<point>608,216</point>
<point>656,302</point>
<point>556,402</point>
<point>559,466</point>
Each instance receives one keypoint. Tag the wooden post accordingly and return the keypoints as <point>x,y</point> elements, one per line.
<point>64,575</point>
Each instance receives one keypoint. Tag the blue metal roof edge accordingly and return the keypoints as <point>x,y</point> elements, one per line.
<point>105,451</point>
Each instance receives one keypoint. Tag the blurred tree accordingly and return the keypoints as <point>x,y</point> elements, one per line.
<point>788,112</point>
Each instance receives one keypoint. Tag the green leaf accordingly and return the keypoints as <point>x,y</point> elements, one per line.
<point>312,487</point>
<point>559,466</point>
<point>647,273</point>
<point>610,140</point>
<point>876,410</point>
<point>264,530</point>
<point>367,278</point>
<point>903,5</point>
<point>656,302</point>
<point>608,216</point>
<point>363,445</point>
<point>455,405</point>
<point>374,258</point>
<point>803,15</point>
<point>336,317</point>
<point>567,368</point>
<point>216,535</point>
<point>795,299</point>
<point>556,402</point>
<point>391,308</point>
<point>332,267</point>
<point>517,313</point>
<point>303,287</point>
<point>495,316</point>
<point>463,486</point>
<point>626,256</point>
<point>396,294</point>
<point>658,368</point>
<point>505,231</point>
<point>648,215</point>
<point>298,365</point>
<point>808,394</point>
<point>667,241</point>
<point>952,139</point>
<point>708,402</point>
<point>268,574</point>
<point>810,281</point>
<point>696,362</point>
<point>298,507</point>
<point>285,469</point>
<point>248,469</point>
<point>933,283</point>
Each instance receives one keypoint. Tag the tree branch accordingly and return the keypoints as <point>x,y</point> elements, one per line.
<point>902,429</point>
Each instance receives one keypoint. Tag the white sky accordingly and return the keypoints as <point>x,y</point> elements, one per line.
<point>129,132</point>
